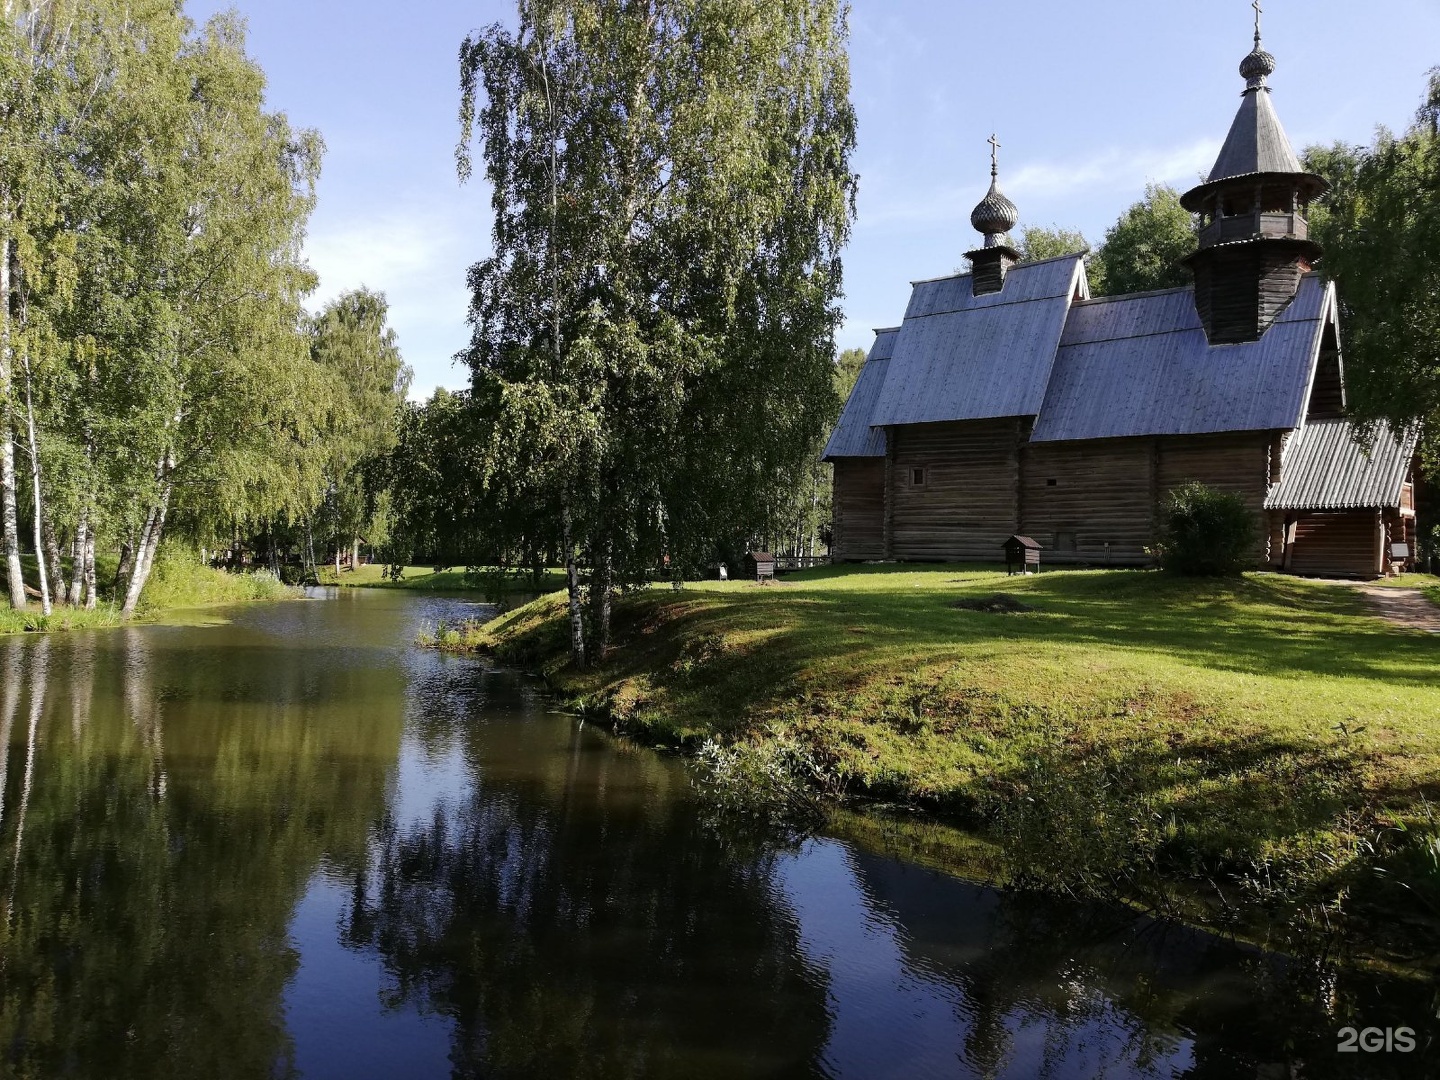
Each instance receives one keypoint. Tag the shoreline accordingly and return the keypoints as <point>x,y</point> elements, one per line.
<point>1262,828</point>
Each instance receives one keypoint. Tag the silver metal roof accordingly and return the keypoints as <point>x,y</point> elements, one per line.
<point>959,356</point>
<point>1326,468</point>
<point>1257,142</point>
<point>853,436</point>
<point>1141,365</point>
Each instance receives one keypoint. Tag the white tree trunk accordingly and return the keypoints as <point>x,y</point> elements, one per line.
<point>9,518</point>
<point>92,594</point>
<point>40,559</point>
<point>572,581</point>
<point>145,552</point>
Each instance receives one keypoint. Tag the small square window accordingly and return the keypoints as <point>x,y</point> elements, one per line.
<point>1051,482</point>
<point>917,477</point>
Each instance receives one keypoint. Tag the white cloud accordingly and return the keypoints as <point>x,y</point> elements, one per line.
<point>416,253</point>
<point>1118,169</point>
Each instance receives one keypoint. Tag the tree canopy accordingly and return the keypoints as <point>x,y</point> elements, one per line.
<point>653,351</point>
<point>1380,228</point>
<point>1144,248</point>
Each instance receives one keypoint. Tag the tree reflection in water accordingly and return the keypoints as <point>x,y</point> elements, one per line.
<point>574,912</point>
<point>162,809</point>
<point>177,810</point>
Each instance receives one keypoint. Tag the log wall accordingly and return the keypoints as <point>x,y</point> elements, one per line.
<point>859,510</point>
<point>964,509</point>
<point>1337,545</point>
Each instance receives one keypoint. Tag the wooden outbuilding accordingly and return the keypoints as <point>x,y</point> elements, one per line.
<point>1010,403</point>
<point>760,565</point>
<point>1022,555</point>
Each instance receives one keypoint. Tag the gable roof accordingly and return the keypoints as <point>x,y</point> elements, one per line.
<point>1141,365</point>
<point>1326,468</point>
<point>853,436</point>
<point>959,356</point>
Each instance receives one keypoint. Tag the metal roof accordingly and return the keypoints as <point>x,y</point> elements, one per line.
<point>1141,365</point>
<point>853,436</point>
<point>959,356</point>
<point>1257,142</point>
<point>1326,468</point>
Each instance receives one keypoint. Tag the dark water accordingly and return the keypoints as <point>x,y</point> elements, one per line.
<point>294,845</point>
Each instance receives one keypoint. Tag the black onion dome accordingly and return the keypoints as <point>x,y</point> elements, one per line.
<point>996,215</point>
<point>1257,67</point>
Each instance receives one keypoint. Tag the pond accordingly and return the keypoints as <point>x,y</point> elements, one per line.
<point>292,844</point>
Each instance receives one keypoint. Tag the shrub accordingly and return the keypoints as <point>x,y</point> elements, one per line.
<point>1206,533</point>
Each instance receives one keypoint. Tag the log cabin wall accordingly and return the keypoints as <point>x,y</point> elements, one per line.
<point>953,489</point>
<point>859,509</point>
<point>1240,462</point>
<point>1080,496</point>
<point>1337,545</point>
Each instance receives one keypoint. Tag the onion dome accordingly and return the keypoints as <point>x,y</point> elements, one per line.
<point>995,215</point>
<point>1257,67</point>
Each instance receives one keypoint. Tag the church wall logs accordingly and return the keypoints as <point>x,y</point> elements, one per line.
<point>859,509</point>
<point>953,489</point>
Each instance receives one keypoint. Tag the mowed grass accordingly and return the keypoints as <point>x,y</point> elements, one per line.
<point>429,579</point>
<point>1266,729</point>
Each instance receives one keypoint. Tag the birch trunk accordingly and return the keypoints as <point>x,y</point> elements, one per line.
<point>77,561</point>
<point>40,556</point>
<point>149,544</point>
<point>9,518</point>
<point>572,582</point>
<point>92,594</point>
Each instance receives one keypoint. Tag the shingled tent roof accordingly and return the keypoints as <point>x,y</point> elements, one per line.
<point>1257,142</point>
<point>853,435</point>
<point>959,356</point>
<point>1141,365</point>
<point>1327,468</point>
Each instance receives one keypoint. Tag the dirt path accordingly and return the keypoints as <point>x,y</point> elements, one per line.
<point>1404,607</point>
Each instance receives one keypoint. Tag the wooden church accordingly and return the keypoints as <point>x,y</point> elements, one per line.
<point>1009,401</point>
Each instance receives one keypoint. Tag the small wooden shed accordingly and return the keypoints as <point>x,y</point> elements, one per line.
<point>1022,555</point>
<point>760,565</point>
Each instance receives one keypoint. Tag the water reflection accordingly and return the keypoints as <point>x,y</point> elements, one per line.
<point>295,846</point>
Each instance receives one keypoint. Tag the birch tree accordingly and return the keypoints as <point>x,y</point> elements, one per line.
<point>671,189</point>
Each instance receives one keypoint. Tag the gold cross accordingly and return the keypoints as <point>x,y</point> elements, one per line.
<point>994,152</point>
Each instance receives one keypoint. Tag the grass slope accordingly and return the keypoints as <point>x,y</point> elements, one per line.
<point>1263,737</point>
<point>179,581</point>
<point>448,579</point>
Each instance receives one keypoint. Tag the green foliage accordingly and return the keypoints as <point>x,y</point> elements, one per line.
<point>671,189</point>
<point>1206,533</point>
<point>1380,227</point>
<point>1143,249</point>
<point>847,371</point>
<point>181,580</point>
<point>154,210</point>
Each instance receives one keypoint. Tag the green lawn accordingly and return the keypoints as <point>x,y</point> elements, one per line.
<point>449,579</point>
<point>179,581</point>
<point>1265,732</point>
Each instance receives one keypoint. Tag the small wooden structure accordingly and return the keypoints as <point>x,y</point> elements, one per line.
<point>1022,555</point>
<point>760,565</point>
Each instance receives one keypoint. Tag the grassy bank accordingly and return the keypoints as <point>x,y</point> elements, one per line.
<point>447,579</point>
<point>179,581</point>
<point>1263,742</point>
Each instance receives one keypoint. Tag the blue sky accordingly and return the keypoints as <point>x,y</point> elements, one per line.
<point>1090,101</point>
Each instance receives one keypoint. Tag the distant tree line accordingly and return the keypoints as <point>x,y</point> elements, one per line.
<point>158,373</point>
